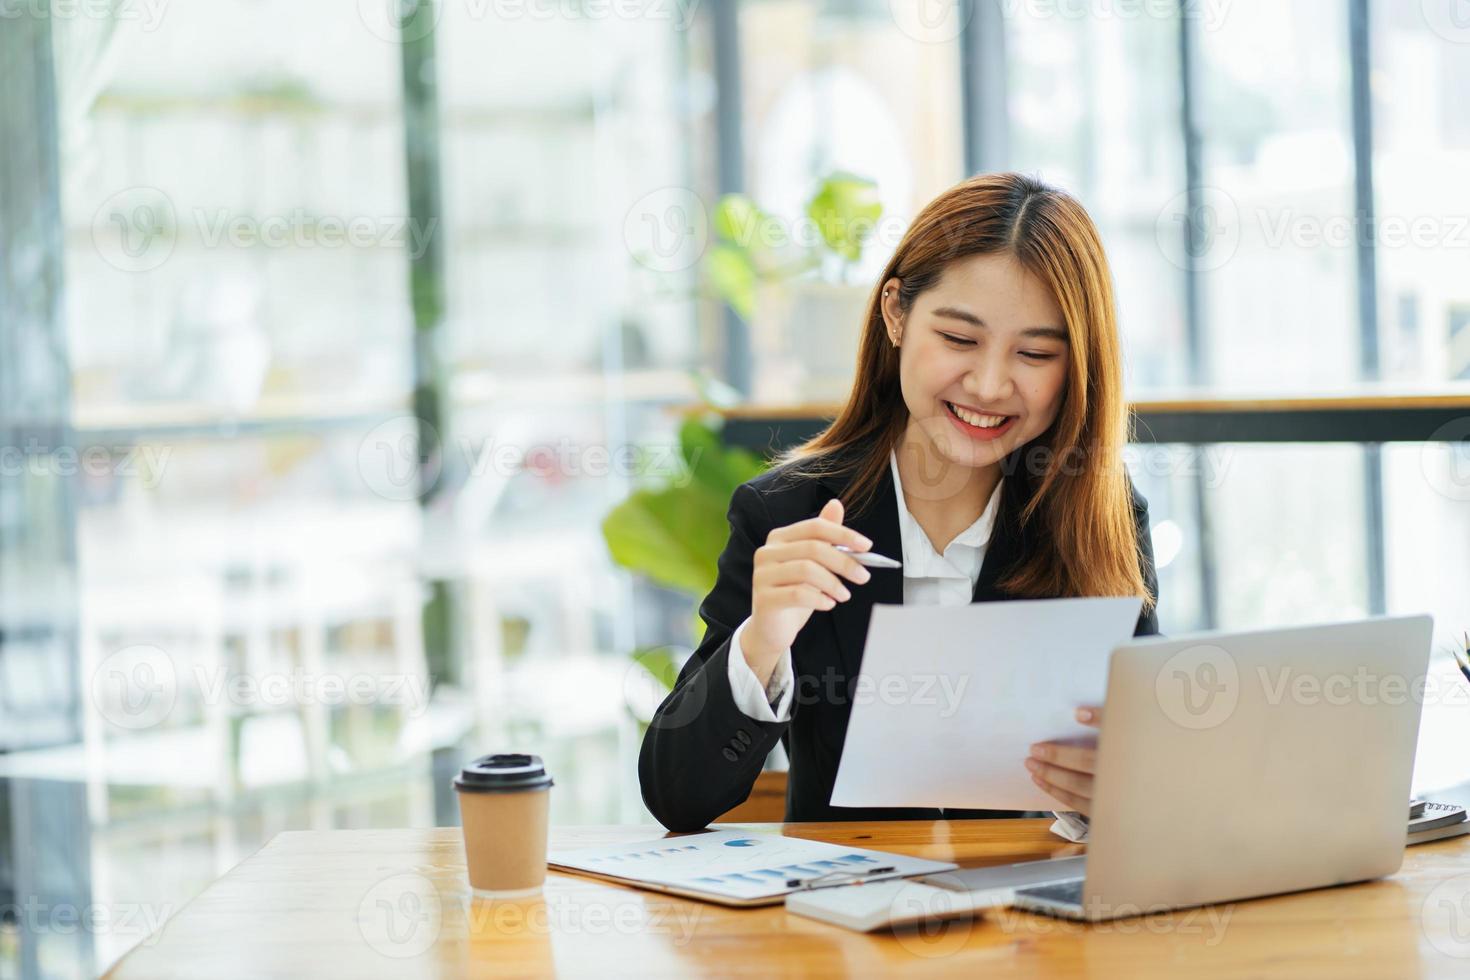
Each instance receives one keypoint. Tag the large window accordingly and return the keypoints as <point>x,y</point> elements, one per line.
<point>252,290</point>
<point>1277,157</point>
<point>1087,111</point>
<point>1421,149</point>
<point>327,341</point>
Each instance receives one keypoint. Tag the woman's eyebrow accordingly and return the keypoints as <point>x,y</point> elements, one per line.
<point>1050,333</point>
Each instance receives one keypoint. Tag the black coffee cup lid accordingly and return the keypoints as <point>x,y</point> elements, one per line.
<point>508,772</point>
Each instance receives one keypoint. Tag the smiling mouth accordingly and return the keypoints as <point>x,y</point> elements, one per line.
<point>977,420</point>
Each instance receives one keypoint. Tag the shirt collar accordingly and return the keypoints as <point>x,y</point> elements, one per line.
<point>920,560</point>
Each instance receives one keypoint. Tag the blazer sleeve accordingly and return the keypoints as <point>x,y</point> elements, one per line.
<point>701,753</point>
<point>1148,619</point>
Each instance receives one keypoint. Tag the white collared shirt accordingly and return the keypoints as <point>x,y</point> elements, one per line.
<point>934,579</point>
<point>929,579</point>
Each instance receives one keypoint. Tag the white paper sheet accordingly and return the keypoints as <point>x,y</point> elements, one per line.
<point>950,698</point>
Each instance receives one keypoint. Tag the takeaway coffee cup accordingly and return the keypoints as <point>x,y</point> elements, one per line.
<point>503,807</point>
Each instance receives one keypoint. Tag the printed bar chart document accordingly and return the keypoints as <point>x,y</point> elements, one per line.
<point>738,868</point>
<point>950,698</point>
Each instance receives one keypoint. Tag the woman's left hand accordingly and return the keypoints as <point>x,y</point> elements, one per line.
<point>1065,767</point>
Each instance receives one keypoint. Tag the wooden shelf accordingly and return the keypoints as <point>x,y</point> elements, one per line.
<point>1373,415</point>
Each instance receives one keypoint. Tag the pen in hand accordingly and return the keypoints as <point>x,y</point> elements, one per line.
<point>869,558</point>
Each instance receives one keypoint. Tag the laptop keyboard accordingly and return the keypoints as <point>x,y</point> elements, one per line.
<point>1061,892</point>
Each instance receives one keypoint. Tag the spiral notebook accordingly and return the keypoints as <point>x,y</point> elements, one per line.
<point>741,869</point>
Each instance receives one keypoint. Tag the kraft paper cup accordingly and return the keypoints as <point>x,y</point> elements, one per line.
<point>503,806</point>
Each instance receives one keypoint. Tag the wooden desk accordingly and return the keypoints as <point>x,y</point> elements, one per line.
<point>394,903</point>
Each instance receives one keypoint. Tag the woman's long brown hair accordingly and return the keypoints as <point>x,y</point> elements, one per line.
<point>1075,489</point>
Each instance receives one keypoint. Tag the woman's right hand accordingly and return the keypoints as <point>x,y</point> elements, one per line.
<point>796,571</point>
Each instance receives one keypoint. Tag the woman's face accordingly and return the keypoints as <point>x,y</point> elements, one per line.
<point>982,359</point>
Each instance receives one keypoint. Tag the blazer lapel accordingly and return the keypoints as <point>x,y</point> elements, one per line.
<point>1009,541</point>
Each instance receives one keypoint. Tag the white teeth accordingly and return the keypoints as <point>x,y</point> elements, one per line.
<point>983,421</point>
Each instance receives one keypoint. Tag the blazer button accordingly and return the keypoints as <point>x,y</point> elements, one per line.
<point>730,754</point>
<point>743,735</point>
<point>736,746</point>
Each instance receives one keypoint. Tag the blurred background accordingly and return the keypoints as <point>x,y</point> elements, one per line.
<point>374,374</point>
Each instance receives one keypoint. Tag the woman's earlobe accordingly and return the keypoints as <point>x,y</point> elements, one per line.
<point>895,334</point>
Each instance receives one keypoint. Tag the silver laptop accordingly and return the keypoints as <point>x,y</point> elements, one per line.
<point>1237,765</point>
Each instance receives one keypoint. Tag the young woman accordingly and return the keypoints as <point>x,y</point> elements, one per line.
<point>980,445</point>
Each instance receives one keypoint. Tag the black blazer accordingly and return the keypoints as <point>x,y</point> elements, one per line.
<point>701,753</point>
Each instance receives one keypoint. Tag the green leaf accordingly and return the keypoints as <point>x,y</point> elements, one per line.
<point>845,210</point>
<point>721,468</point>
<point>674,536</point>
<point>737,220</point>
<point>658,661</point>
<point>733,277</point>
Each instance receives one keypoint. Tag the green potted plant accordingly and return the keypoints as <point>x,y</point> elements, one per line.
<point>797,291</point>
<point>672,531</point>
